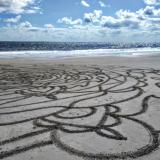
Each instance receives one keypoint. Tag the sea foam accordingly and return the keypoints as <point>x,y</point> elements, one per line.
<point>134,52</point>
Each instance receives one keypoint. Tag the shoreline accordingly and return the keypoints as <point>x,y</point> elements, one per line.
<point>140,61</point>
<point>63,54</point>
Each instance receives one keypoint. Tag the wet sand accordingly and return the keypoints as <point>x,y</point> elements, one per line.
<point>81,108</point>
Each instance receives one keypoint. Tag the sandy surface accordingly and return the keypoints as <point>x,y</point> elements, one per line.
<point>86,108</point>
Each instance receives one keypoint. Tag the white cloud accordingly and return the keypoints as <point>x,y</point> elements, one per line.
<point>58,34</point>
<point>83,34</point>
<point>13,20</point>
<point>144,19</point>
<point>93,17</point>
<point>125,14</point>
<point>149,11</point>
<point>124,19</point>
<point>115,23</point>
<point>152,2</point>
<point>102,4</point>
<point>18,6</point>
<point>28,27</point>
<point>25,24</point>
<point>49,26</point>
<point>69,21</point>
<point>85,4</point>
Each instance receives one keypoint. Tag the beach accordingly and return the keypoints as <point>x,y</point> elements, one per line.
<point>86,108</point>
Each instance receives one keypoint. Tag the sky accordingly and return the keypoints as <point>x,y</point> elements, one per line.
<point>80,20</point>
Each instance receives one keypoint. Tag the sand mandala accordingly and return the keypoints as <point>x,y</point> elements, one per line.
<point>90,112</point>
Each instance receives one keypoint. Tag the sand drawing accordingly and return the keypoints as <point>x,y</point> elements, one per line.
<point>91,112</point>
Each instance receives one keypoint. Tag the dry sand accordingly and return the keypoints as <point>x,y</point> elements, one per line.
<point>81,108</point>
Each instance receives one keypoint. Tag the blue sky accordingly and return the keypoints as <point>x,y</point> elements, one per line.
<point>80,20</point>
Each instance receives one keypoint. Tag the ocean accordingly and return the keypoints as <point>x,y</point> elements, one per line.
<point>75,49</point>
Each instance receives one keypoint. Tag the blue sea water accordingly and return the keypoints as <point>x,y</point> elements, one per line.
<point>66,46</point>
<point>75,49</point>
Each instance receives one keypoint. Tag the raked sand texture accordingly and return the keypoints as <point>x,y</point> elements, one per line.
<point>75,112</point>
